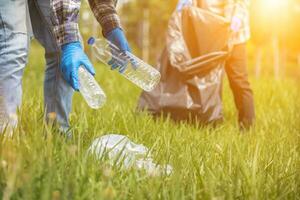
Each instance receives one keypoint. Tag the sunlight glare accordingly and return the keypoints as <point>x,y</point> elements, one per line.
<point>274,5</point>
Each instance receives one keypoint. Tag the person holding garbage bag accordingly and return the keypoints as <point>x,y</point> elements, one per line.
<point>236,66</point>
<point>200,43</point>
<point>55,26</point>
<point>235,11</point>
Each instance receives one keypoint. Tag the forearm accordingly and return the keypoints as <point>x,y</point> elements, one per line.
<point>64,18</point>
<point>106,14</point>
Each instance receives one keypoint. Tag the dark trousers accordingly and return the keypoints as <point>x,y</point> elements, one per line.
<point>236,70</point>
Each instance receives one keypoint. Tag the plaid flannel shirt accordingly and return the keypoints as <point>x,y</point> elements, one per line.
<point>65,14</point>
<point>228,9</point>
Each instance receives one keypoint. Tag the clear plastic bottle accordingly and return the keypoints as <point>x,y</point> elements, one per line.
<point>120,150</point>
<point>136,70</point>
<point>90,90</point>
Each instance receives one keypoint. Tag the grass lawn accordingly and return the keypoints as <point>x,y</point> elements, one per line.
<point>209,163</point>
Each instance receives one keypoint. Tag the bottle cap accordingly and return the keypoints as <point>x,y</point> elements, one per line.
<point>91,41</point>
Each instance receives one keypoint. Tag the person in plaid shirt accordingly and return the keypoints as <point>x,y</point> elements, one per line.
<point>236,11</point>
<point>54,24</point>
<point>65,15</point>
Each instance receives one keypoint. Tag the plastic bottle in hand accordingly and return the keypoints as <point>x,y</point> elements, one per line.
<point>135,70</point>
<point>90,90</point>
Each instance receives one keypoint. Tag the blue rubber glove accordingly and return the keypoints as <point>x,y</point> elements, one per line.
<point>182,3</point>
<point>72,58</point>
<point>117,37</point>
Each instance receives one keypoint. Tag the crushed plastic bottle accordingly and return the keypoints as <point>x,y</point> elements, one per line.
<point>135,70</point>
<point>152,168</point>
<point>122,151</point>
<point>90,89</point>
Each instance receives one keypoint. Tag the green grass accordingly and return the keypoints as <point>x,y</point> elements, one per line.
<point>209,163</point>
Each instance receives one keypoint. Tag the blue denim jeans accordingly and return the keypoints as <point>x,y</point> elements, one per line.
<point>14,45</point>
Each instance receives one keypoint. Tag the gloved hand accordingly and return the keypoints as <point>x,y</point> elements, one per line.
<point>72,58</point>
<point>117,37</point>
<point>236,24</point>
<point>183,3</point>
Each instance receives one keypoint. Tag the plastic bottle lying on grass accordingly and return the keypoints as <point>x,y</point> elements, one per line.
<point>135,70</point>
<point>119,150</point>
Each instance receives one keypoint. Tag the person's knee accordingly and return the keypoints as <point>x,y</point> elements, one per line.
<point>14,31</point>
<point>18,44</point>
<point>14,55</point>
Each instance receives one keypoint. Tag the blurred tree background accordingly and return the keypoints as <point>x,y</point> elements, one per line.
<point>275,25</point>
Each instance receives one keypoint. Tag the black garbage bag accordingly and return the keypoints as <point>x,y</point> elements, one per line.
<point>191,67</point>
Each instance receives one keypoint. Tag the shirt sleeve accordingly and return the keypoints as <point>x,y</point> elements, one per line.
<point>64,18</point>
<point>238,8</point>
<point>242,8</point>
<point>106,14</point>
